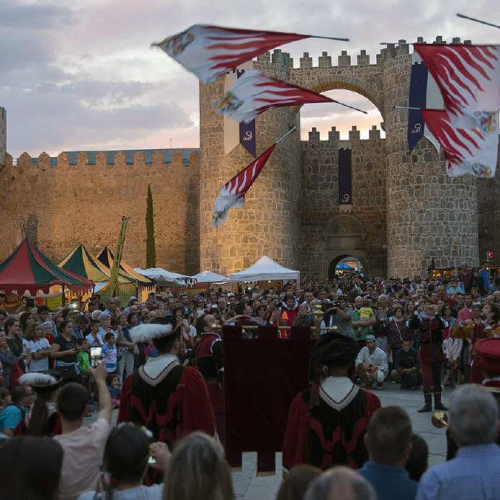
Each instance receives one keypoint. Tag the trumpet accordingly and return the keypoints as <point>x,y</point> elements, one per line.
<point>440,420</point>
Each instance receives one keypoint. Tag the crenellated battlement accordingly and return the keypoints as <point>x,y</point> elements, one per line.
<point>334,136</point>
<point>344,60</point>
<point>142,158</point>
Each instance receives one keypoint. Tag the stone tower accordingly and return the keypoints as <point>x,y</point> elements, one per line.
<point>429,215</point>
<point>3,136</point>
<point>269,223</point>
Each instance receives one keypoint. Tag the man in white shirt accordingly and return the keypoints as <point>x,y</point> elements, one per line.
<point>83,446</point>
<point>371,364</point>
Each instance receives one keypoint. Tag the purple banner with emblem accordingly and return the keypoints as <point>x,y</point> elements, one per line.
<point>345,180</point>
<point>247,131</point>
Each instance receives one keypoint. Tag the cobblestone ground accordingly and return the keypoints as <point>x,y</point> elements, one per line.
<point>249,487</point>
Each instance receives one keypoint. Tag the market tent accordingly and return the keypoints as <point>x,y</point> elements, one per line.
<point>209,277</point>
<point>344,267</point>
<point>107,257</point>
<point>29,269</point>
<point>82,262</point>
<point>265,269</point>
<point>162,276</point>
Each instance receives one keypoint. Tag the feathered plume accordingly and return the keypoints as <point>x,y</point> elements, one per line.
<point>149,331</point>
<point>37,379</point>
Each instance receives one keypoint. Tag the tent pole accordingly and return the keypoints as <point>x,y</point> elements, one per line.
<point>63,295</point>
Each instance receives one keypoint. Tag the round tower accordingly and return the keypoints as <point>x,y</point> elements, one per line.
<point>3,136</point>
<point>268,224</point>
<point>429,215</point>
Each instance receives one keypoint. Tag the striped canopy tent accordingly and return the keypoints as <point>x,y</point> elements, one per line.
<point>82,262</point>
<point>107,257</point>
<point>29,269</point>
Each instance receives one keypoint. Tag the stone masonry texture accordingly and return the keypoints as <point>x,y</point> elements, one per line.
<point>406,212</point>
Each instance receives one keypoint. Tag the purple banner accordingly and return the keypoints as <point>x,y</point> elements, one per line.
<point>247,131</point>
<point>345,178</point>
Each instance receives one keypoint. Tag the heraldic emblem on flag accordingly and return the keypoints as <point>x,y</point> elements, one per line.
<point>469,79</point>
<point>211,51</point>
<point>232,194</point>
<point>467,151</point>
<point>424,93</point>
<point>253,93</point>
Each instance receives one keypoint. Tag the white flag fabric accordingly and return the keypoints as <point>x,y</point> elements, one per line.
<point>255,92</point>
<point>210,51</point>
<point>232,194</point>
<point>467,151</point>
<point>469,79</point>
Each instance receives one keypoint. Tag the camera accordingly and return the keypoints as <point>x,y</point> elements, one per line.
<point>95,356</point>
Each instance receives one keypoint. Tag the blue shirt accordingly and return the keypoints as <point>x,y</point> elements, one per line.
<point>390,482</point>
<point>10,417</point>
<point>485,276</point>
<point>474,474</point>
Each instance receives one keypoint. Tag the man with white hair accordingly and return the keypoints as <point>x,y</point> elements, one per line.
<point>340,483</point>
<point>474,473</point>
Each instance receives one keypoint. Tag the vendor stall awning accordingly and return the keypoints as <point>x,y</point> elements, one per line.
<point>265,269</point>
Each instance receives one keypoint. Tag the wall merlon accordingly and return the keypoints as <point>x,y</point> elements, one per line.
<point>455,39</point>
<point>374,133</point>
<point>324,60</point>
<point>334,134</point>
<point>439,41</point>
<point>306,62</point>
<point>467,42</point>
<point>354,134</point>
<point>363,58</point>
<point>314,135</point>
<point>403,47</point>
<point>344,59</point>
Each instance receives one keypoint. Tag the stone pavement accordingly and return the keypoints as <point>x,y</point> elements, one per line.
<point>249,487</point>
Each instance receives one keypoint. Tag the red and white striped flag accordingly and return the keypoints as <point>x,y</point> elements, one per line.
<point>254,93</point>
<point>232,194</point>
<point>467,151</point>
<point>469,79</point>
<point>210,51</point>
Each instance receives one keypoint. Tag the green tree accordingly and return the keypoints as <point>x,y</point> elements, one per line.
<point>150,231</point>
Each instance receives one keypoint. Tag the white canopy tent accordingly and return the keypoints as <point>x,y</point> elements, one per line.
<point>209,277</point>
<point>162,276</point>
<point>265,269</point>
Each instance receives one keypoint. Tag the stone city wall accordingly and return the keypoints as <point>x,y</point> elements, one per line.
<point>325,233</point>
<point>61,205</point>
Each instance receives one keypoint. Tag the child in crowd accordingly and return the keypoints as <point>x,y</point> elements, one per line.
<point>109,353</point>
<point>114,390</point>
<point>365,312</point>
<point>83,358</point>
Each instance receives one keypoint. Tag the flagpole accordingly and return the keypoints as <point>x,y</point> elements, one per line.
<point>289,132</point>
<point>478,21</point>
<point>406,107</point>
<point>350,107</point>
<point>329,38</point>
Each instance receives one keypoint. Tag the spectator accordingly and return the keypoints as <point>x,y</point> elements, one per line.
<point>83,446</point>
<point>418,462</point>
<point>407,367</point>
<point>30,468</point>
<point>340,483</point>
<point>42,418</point>
<point>484,275</point>
<point>304,317</point>
<point>64,349</point>
<point>12,415</point>
<point>109,353</point>
<point>473,474</point>
<point>388,440</point>
<point>295,485</point>
<point>125,462</point>
<point>13,336</point>
<point>125,348</point>
<point>198,470</point>
<point>40,350</point>
<point>371,364</point>
<point>8,361</point>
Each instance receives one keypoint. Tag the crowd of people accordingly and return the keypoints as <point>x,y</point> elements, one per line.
<point>160,362</point>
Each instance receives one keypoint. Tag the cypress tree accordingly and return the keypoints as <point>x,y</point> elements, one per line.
<point>150,232</point>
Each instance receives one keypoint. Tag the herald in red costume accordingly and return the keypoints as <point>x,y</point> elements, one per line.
<point>327,422</point>
<point>170,399</point>
<point>210,361</point>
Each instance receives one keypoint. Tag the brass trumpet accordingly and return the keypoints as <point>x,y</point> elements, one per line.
<point>440,420</point>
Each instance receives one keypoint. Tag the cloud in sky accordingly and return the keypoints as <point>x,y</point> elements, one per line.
<point>79,74</point>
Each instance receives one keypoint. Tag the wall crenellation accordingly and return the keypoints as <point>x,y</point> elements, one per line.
<point>354,135</point>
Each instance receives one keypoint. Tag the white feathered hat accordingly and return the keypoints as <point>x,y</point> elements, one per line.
<point>151,331</point>
<point>41,382</point>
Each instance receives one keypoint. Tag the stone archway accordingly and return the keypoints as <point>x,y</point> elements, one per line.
<point>345,236</point>
<point>333,264</point>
